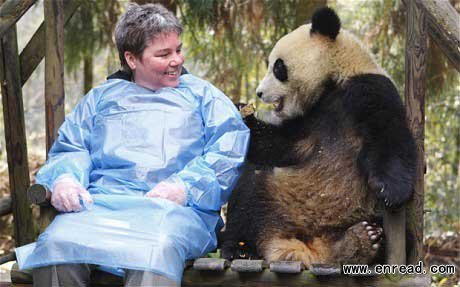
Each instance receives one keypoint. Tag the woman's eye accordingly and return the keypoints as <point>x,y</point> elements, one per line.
<point>163,55</point>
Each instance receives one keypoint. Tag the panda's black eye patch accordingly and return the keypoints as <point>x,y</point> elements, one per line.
<point>280,70</point>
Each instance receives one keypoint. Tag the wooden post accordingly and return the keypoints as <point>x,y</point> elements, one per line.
<point>15,137</point>
<point>394,226</point>
<point>34,51</point>
<point>416,48</point>
<point>443,24</point>
<point>54,68</point>
<point>11,11</point>
<point>54,81</point>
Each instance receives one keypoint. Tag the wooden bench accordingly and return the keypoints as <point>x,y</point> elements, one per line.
<point>220,272</point>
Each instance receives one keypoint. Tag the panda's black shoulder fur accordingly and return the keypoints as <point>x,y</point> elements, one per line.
<point>378,114</point>
<point>371,98</point>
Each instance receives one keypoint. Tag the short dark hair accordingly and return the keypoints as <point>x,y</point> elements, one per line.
<point>140,24</point>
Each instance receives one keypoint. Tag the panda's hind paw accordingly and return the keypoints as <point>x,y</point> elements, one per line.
<point>370,237</point>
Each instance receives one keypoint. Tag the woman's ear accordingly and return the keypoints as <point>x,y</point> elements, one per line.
<point>131,60</point>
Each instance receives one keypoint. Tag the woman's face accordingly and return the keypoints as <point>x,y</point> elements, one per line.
<point>160,64</point>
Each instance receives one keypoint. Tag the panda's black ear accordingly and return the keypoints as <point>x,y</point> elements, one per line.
<point>325,22</point>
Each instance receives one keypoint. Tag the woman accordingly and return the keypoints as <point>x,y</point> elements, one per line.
<point>140,168</point>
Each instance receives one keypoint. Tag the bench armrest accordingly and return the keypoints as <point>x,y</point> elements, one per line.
<point>39,194</point>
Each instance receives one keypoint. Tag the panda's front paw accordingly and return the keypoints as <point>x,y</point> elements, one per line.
<point>245,109</point>
<point>394,193</point>
<point>227,251</point>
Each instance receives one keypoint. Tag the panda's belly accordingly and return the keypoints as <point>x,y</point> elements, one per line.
<point>326,191</point>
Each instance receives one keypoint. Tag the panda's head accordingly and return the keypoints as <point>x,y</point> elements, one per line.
<point>304,61</point>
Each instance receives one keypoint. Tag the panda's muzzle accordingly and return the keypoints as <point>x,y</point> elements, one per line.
<point>276,101</point>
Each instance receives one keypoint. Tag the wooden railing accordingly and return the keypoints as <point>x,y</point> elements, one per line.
<point>13,115</point>
<point>11,11</point>
<point>14,72</point>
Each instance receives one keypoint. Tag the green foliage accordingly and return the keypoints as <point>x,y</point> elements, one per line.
<point>89,30</point>
<point>229,41</point>
<point>442,148</point>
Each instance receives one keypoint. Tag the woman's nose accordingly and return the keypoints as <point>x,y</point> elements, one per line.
<point>177,60</point>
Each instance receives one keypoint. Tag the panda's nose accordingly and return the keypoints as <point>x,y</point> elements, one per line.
<point>259,94</point>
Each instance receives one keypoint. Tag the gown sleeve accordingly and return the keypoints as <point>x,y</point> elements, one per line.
<point>70,153</point>
<point>210,178</point>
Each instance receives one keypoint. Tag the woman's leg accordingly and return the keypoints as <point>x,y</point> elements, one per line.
<point>77,275</point>
<point>135,278</point>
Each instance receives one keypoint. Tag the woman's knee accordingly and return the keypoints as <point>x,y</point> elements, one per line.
<point>62,275</point>
<point>144,278</point>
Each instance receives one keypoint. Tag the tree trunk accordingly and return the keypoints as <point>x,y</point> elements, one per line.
<point>87,73</point>
<point>54,81</point>
<point>87,24</point>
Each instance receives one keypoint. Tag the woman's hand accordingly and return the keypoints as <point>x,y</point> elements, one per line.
<point>170,191</point>
<point>67,193</point>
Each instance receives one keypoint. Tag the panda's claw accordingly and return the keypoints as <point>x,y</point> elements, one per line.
<point>393,195</point>
<point>373,232</point>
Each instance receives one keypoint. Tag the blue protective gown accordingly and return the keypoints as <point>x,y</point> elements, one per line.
<point>119,142</point>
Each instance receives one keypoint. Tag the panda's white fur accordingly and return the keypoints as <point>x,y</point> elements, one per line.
<point>316,57</point>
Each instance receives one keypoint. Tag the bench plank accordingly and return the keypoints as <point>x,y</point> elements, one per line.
<point>242,265</point>
<point>229,278</point>
<point>211,264</point>
<point>286,267</point>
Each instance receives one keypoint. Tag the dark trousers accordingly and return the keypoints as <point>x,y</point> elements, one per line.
<point>78,275</point>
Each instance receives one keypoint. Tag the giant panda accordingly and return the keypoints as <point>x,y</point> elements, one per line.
<point>335,147</point>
